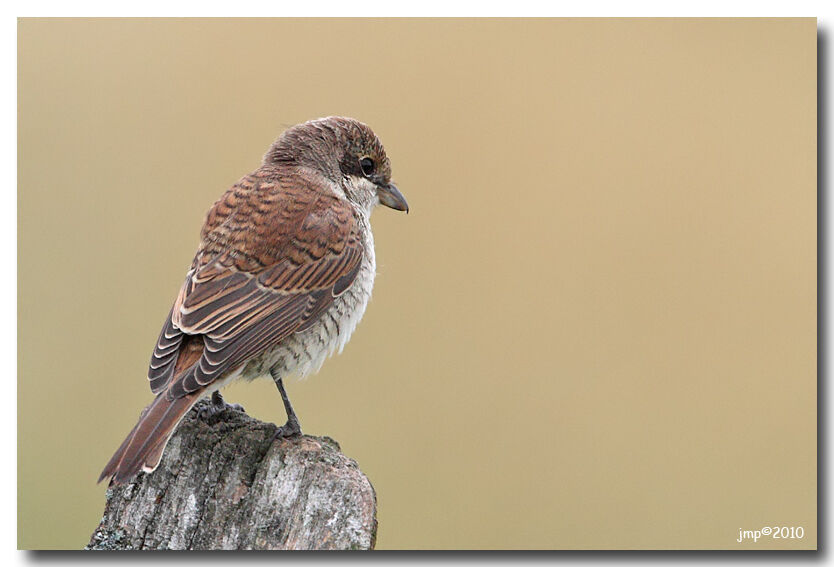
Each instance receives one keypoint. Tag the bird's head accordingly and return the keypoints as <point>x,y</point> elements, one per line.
<point>347,153</point>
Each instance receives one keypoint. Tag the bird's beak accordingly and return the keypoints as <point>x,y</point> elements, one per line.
<point>390,196</point>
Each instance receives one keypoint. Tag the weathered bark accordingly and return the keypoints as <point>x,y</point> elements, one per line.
<point>225,484</point>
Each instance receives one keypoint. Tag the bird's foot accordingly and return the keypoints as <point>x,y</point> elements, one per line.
<point>290,429</point>
<point>216,407</point>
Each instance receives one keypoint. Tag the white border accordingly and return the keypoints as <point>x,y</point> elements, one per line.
<point>369,8</point>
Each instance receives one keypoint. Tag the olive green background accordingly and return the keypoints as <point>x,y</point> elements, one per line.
<point>596,328</point>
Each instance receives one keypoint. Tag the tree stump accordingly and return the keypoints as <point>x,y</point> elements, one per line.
<point>224,483</point>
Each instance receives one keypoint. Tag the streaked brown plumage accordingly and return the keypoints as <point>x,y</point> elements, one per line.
<point>282,275</point>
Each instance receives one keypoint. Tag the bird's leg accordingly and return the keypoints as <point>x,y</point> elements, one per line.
<point>292,428</point>
<point>217,406</point>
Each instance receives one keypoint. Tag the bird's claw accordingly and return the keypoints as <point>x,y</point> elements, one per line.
<point>208,411</point>
<point>289,429</point>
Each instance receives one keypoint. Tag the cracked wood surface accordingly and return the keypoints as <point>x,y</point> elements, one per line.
<point>225,484</point>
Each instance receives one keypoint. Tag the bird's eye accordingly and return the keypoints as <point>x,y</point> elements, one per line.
<point>367,165</point>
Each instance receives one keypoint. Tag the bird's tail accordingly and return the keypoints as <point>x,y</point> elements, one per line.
<point>143,447</point>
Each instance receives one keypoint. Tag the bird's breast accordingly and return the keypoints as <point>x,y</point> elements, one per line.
<point>304,353</point>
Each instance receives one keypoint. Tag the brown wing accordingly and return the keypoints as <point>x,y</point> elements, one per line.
<point>274,255</point>
<point>275,251</point>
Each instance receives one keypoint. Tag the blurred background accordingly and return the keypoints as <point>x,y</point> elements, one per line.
<point>596,328</point>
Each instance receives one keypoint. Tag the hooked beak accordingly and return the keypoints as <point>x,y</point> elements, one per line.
<point>391,197</point>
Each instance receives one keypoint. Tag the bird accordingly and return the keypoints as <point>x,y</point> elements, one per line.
<point>282,275</point>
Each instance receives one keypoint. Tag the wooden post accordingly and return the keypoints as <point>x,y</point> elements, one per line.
<point>226,484</point>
